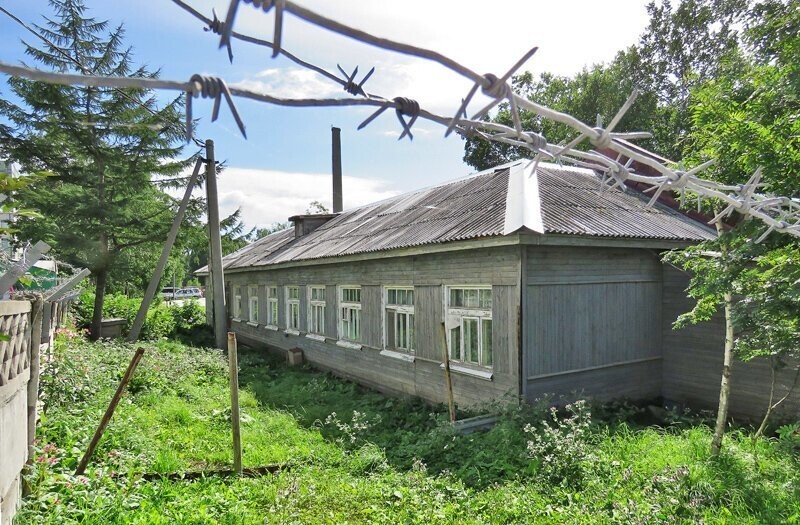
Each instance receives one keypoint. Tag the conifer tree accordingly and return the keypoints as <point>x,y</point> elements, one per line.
<point>104,148</point>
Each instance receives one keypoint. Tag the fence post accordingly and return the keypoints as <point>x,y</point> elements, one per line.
<point>233,372</point>
<point>446,359</point>
<point>109,411</point>
<point>37,308</point>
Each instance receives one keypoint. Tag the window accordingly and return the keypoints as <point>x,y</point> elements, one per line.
<point>293,307</point>
<point>252,302</point>
<point>399,320</point>
<point>350,313</point>
<point>237,302</point>
<point>272,306</point>
<point>469,323</point>
<point>316,309</point>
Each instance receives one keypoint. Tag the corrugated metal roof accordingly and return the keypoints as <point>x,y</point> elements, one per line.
<point>475,207</point>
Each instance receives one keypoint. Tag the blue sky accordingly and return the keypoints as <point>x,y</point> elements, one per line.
<point>285,162</point>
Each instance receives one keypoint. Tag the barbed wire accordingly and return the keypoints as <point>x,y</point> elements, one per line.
<point>780,214</point>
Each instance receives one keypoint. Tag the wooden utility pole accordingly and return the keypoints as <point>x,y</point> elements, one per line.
<point>233,373</point>
<point>215,248</point>
<point>152,288</point>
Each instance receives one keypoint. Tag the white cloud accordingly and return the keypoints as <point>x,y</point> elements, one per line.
<point>268,196</point>
<point>291,82</point>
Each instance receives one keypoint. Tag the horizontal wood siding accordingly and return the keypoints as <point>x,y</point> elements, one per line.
<point>693,362</point>
<point>331,312</point>
<point>427,320</point>
<point>303,308</point>
<point>592,324</point>
<point>371,316</point>
<point>282,310</point>
<point>499,267</point>
<point>262,304</point>
<point>505,312</point>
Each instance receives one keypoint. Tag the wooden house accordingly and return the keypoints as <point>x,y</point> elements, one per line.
<point>539,282</point>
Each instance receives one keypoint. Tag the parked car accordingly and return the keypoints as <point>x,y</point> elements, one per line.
<point>169,293</point>
<point>186,293</point>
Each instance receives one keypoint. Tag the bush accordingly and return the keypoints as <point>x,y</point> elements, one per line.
<point>561,448</point>
<point>186,321</point>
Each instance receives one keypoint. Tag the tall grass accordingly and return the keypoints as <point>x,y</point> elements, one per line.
<point>359,457</point>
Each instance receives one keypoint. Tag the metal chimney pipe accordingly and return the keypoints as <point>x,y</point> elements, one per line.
<point>336,136</point>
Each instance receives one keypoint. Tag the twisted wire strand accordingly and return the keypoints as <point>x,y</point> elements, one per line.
<point>742,198</point>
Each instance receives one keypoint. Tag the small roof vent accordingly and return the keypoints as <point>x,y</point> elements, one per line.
<point>305,224</point>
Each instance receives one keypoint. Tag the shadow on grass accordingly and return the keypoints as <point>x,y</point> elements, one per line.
<point>406,429</point>
<point>409,430</point>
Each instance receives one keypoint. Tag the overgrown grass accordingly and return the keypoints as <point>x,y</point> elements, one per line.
<point>360,457</point>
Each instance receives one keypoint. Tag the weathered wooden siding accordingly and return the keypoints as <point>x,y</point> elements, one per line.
<point>592,322</point>
<point>693,362</point>
<point>424,377</point>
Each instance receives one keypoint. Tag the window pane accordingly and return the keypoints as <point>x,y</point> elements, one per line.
<point>470,340</point>
<point>410,298</point>
<point>390,340</point>
<point>455,343</point>
<point>471,298</point>
<point>456,297</point>
<point>487,342</point>
<point>402,331</point>
<point>411,340</point>
<point>486,299</point>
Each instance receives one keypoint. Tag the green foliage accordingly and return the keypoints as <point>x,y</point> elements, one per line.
<point>405,464</point>
<point>763,277</point>
<point>185,321</point>
<point>103,147</point>
<point>560,448</point>
<point>683,46</point>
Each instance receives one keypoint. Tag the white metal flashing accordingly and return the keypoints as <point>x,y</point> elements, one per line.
<point>523,206</point>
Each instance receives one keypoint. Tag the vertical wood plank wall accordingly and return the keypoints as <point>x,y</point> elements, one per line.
<point>424,377</point>
<point>693,363</point>
<point>592,325</point>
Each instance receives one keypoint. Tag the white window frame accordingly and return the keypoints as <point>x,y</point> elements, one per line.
<point>318,327</point>
<point>400,310</point>
<point>252,305</point>
<point>292,307</point>
<point>348,312</point>
<point>272,307</point>
<point>455,317</point>
<point>237,303</point>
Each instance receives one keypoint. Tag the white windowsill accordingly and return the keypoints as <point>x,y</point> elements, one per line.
<point>271,327</point>
<point>486,375</point>
<point>348,344</point>
<point>251,323</point>
<point>409,358</point>
<point>236,320</point>
<point>316,337</point>
<point>291,331</point>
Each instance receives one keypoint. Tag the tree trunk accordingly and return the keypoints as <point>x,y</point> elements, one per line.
<point>95,331</point>
<point>772,406</point>
<point>725,385</point>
